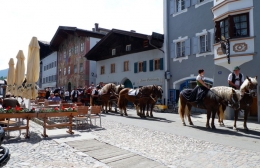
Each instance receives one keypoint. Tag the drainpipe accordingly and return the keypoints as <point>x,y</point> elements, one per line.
<point>166,48</point>
<point>149,38</point>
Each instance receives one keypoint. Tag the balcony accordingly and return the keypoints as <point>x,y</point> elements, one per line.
<point>241,51</point>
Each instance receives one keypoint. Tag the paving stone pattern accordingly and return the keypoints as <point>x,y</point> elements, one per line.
<point>113,156</point>
<point>40,153</point>
<point>176,151</point>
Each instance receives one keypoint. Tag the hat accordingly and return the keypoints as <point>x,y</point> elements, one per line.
<point>98,86</point>
<point>236,68</point>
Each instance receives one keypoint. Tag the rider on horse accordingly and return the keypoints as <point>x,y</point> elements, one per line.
<point>199,92</point>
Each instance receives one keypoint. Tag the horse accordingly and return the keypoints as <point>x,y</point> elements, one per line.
<point>211,102</point>
<point>114,98</point>
<point>153,99</point>
<point>248,90</point>
<point>105,93</point>
<point>138,97</point>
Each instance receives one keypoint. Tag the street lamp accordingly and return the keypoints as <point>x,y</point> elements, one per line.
<point>225,46</point>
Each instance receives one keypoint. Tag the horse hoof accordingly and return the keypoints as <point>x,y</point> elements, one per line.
<point>213,127</point>
<point>207,126</point>
<point>246,129</point>
<point>235,128</point>
<point>191,123</point>
<point>126,115</point>
<point>121,114</point>
<point>183,124</point>
<point>152,116</point>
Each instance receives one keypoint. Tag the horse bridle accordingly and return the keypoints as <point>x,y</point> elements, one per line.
<point>233,103</point>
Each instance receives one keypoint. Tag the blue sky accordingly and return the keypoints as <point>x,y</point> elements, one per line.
<point>23,19</point>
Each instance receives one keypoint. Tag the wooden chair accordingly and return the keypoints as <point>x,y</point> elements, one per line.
<point>95,112</point>
<point>82,115</point>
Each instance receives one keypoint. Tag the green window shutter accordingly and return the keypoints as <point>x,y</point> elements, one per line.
<point>161,63</point>
<point>135,68</point>
<point>151,65</point>
<point>144,66</point>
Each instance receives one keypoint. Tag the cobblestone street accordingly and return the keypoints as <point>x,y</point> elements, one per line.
<point>169,149</point>
<point>44,153</point>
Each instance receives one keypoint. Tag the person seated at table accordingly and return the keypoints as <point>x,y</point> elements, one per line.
<point>53,98</point>
<point>10,101</point>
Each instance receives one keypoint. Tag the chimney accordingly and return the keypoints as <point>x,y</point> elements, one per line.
<point>96,27</point>
<point>93,29</point>
<point>133,31</point>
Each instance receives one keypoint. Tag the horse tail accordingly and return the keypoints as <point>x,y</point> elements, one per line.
<point>221,113</point>
<point>183,111</point>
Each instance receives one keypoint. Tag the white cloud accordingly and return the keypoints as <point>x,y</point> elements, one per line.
<point>23,19</point>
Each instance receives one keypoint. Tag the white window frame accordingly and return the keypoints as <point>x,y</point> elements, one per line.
<point>114,51</point>
<point>205,32</point>
<point>64,54</point>
<point>128,47</point>
<point>76,49</point>
<point>178,12</point>
<point>64,71</point>
<point>205,36</point>
<point>81,47</point>
<point>182,47</point>
<point>176,7</point>
<point>70,52</point>
<point>203,3</point>
<point>180,39</point>
<point>81,67</point>
<point>68,70</point>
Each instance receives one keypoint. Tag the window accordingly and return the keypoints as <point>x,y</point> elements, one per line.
<point>47,79</point>
<point>69,52</point>
<point>157,64</point>
<point>64,71</point>
<point>113,51</point>
<point>102,70</point>
<point>52,64</point>
<point>69,70</point>
<point>180,49</point>
<point>43,80</point>
<point>81,67</point>
<point>180,4</point>
<point>126,66</point>
<point>140,66</point>
<point>81,47</point>
<point>145,43</point>
<point>224,28</point>
<point>75,68</point>
<point>113,68</point>
<point>64,55</point>
<point>60,72</point>
<point>55,64</point>
<point>240,25</point>
<point>76,49</point>
<point>128,47</point>
<point>201,0</point>
<point>203,43</point>
<point>234,26</point>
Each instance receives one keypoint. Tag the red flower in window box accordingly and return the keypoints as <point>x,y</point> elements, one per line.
<point>56,108</point>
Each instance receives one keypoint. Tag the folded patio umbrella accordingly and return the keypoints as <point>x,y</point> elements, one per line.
<point>33,70</point>
<point>19,74</point>
<point>11,76</point>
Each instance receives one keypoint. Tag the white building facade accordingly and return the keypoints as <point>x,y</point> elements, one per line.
<point>49,71</point>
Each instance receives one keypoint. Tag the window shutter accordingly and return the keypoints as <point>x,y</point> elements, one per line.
<point>144,66</point>
<point>187,3</point>
<point>194,2</point>
<point>161,63</point>
<point>209,42</point>
<point>217,32</point>
<point>151,65</point>
<point>187,47</point>
<point>195,47</point>
<point>172,49</point>
<point>135,67</point>
<point>231,26</point>
<point>172,7</point>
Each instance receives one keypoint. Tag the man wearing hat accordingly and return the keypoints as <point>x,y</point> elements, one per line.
<point>95,94</point>
<point>236,78</point>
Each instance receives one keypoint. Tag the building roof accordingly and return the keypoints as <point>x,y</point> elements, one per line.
<point>119,39</point>
<point>44,49</point>
<point>63,32</point>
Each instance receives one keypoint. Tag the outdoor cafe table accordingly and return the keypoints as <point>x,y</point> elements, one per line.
<point>19,115</point>
<point>45,116</point>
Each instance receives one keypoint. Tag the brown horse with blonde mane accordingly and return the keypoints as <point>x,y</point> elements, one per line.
<point>139,97</point>
<point>104,95</point>
<point>248,90</point>
<point>214,97</point>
